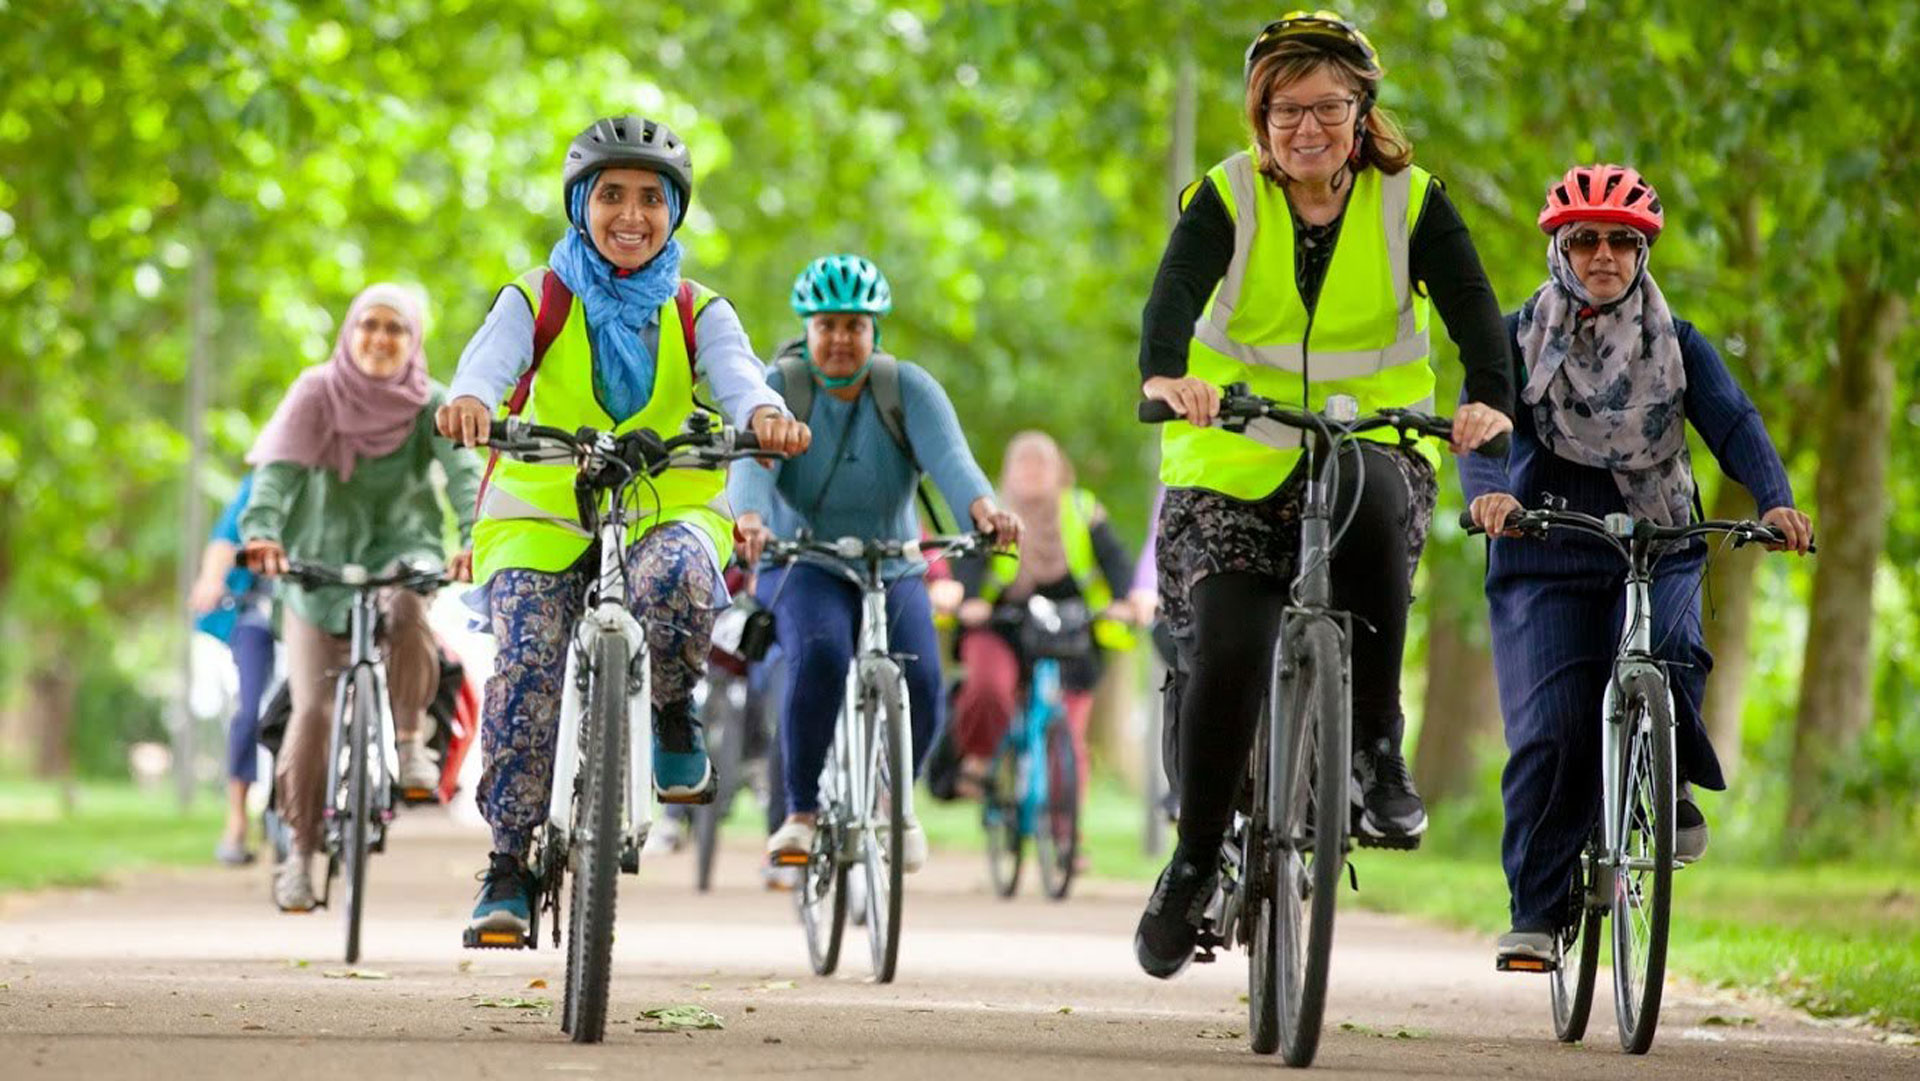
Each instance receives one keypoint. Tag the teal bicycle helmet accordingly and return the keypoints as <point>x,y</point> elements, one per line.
<point>841,283</point>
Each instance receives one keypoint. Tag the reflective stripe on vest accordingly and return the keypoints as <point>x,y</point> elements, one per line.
<point>529,518</point>
<point>1366,337</point>
<point>1076,536</point>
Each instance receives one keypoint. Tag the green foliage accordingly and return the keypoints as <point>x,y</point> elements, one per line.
<point>113,828</point>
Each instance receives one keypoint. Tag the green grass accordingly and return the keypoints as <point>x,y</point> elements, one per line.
<point>113,828</point>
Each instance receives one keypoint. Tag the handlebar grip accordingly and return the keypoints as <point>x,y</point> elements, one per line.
<point>1466,523</point>
<point>501,430</point>
<point>1155,411</point>
<point>1495,447</point>
<point>745,440</point>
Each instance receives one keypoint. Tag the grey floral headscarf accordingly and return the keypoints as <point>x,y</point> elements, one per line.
<point>1606,383</point>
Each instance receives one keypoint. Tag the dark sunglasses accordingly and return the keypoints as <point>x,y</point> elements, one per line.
<point>1587,241</point>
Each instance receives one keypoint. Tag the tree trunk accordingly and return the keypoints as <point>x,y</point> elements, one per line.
<point>1836,692</point>
<point>1730,586</point>
<point>1462,708</point>
<point>51,689</point>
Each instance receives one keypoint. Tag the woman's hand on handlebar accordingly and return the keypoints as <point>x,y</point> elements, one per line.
<point>1792,524</point>
<point>1475,424</point>
<point>751,537</point>
<point>1491,511</point>
<point>464,420</point>
<point>779,433</point>
<point>988,517</point>
<point>1195,399</point>
<point>460,567</point>
<point>265,557</point>
<point>975,612</point>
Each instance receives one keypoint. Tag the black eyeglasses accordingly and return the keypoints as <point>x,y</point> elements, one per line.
<point>1587,241</point>
<point>1285,115</point>
<point>393,327</point>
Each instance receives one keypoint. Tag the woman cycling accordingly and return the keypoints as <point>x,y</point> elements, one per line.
<point>344,475</point>
<point>623,358</point>
<point>1070,553</point>
<point>236,606</point>
<point>1301,267</point>
<point>858,482</point>
<point>1610,379</point>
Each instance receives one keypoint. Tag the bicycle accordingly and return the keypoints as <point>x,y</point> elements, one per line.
<point>362,753</point>
<point>1033,782</point>
<point>866,786</point>
<point>735,721</point>
<point>1626,867</point>
<point>598,819</point>
<point>1281,863</point>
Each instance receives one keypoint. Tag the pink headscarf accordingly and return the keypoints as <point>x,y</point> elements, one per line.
<point>335,414</point>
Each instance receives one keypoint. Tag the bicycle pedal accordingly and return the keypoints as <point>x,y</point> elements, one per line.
<point>688,799</point>
<point>1204,957</point>
<point>629,861</point>
<point>496,940</point>
<point>789,859</point>
<point>414,797</point>
<point>1523,964</point>
<point>1393,844</point>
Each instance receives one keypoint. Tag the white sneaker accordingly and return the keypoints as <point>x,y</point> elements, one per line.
<point>293,885</point>
<point>417,770</point>
<point>792,841</point>
<point>913,847</point>
<point>668,835</point>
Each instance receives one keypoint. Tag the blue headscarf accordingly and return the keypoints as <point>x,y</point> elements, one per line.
<point>618,305</point>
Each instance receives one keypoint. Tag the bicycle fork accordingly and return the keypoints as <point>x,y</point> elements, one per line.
<point>1616,741</point>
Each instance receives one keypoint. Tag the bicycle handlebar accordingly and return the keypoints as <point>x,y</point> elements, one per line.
<point>355,576</point>
<point>642,450</point>
<point>861,550</point>
<point>1238,406</point>
<point>1618,528</point>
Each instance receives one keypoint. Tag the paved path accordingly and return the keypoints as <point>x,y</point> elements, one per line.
<point>191,975</point>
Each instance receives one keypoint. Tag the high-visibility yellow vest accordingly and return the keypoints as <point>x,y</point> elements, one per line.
<point>528,517</point>
<point>1366,336</point>
<point>1076,535</point>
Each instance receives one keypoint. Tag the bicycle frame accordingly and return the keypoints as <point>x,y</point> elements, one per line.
<point>1635,658</point>
<point>853,743</point>
<point>363,654</point>
<point>1043,710</point>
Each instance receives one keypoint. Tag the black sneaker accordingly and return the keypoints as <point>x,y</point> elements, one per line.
<point>506,896</point>
<point>1392,814</point>
<point>1689,828</point>
<point>1164,942</point>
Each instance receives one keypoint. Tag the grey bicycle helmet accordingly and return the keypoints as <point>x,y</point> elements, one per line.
<point>631,142</point>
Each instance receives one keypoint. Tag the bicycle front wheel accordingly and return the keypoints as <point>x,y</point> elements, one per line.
<point>357,840</point>
<point>1578,945</point>
<point>726,741</point>
<point>1259,910</point>
<point>1056,836</point>
<point>883,712</point>
<point>1643,872</point>
<point>1309,719</point>
<point>595,851</point>
<point>1000,817</point>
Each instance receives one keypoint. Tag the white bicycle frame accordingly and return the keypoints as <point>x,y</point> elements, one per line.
<point>854,742</point>
<point>1635,656</point>
<point>363,652</point>
<point>607,617</point>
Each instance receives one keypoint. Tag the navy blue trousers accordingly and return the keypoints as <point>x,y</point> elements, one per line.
<point>1554,639</point>
<point>252,645</point>
<point>817,621</point>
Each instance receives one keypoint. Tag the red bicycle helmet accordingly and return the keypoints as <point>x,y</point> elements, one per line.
<point>1610,193</point>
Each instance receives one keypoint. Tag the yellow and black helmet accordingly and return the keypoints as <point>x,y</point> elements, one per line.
<point>1328,30</point>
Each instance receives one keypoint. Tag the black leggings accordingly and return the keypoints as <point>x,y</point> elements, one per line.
<point>1236,617</point>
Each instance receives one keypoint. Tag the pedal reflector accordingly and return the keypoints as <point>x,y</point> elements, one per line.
<point>789,859</point>
<point>1524,964</point>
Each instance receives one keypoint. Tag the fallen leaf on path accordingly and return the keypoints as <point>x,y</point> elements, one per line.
<point>466,966</point>
<point>1731,1021</point>
<point>684,1016</point>
<point>103,1005</point>
<point>751,1009</point>
<point>770,1039</point>
<point>536,985</point>
<point>252,1027</point>
<point>354,974</point>
<point>1066,1009</point>
<point>703,987</point>
<point>514,1004</point>
<point>496,1028</point>
<point>296,963</point>
<point>1219,1034</point>
<point>1900,1039</point>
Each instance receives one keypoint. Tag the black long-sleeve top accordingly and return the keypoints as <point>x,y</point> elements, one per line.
<point>1441,258</point>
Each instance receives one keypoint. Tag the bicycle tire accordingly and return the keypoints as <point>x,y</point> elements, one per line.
<point>596,848</point>
<point>358,840</point>
<point>1317,701</point>
<point>1056,836</point>
<point>1260,912</point>
<point>821,897</point>
<point>1000,818</point>
<point>1639,967</point>
<point>1570,992</point>
<point>728,757</point>
<point>885,866</point>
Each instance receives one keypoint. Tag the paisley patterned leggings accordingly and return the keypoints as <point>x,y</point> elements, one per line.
<point>673,584</point>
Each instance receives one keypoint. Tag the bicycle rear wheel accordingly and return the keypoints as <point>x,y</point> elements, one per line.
<point>726,740</point>
<point>1643,877</point>
<point>1000,817</point>
<point>1309,718</point>
<point>595,851</point>
<point>1578,944</point>
<point>357,839</point>
<point>883,708</point>
<point>1056,836</point>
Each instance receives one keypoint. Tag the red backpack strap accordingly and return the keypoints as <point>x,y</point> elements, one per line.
<point>556,304</point>
<point>683,299</point>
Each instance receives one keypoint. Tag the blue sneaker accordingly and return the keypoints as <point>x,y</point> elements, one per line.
<point>506,897</point>
<point>681,771</point>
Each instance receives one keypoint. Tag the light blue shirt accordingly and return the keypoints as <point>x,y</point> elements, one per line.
<point>870,492</point>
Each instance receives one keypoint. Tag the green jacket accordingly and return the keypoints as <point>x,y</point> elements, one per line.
<point>388,511</point>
